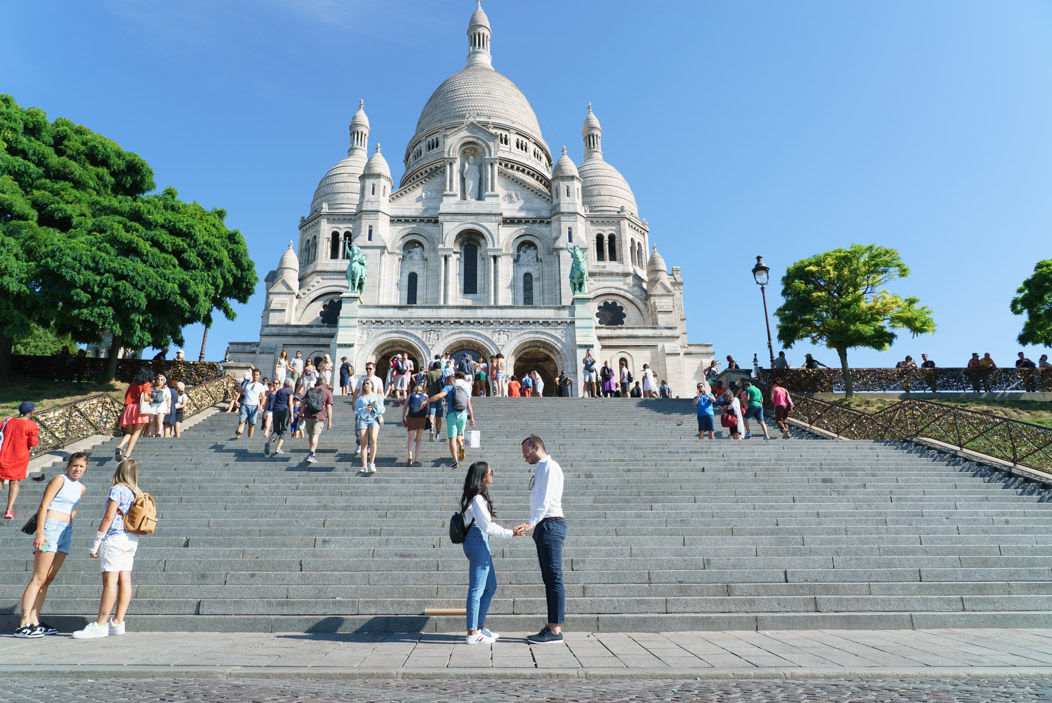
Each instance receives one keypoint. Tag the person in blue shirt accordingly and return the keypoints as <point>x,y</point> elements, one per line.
<point>704,401</point>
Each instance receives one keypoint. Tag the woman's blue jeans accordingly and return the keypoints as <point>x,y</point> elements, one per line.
<point>482,578</point>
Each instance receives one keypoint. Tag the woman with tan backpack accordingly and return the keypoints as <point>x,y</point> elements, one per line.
<point>115,548</point>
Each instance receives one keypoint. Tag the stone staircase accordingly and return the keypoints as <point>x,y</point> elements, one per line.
<point>665,532</point>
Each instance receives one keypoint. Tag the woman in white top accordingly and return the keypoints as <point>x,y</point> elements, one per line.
<point>482,578</point>
<point>649,387</point>
<point>281,368</point>
<point>367,411</point>
<point>325,370</point>
<point>310,376</point>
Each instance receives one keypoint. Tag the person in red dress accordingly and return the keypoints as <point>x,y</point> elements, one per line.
<point>21,434</point>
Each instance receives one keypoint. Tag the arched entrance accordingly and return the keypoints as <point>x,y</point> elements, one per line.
<point>385,353</point>
<point>473,348</point>
<point>540,357</point>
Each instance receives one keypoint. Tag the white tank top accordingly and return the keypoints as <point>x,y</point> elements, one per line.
<point>68,497</point>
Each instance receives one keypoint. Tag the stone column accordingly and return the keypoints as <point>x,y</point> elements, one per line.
<point>584,337</point>
<point>347,329</point>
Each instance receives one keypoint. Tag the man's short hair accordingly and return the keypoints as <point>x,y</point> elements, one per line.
<point>535,441</point>
<point>256,371</point>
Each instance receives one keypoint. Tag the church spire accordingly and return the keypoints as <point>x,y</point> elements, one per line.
<point>478,39</point>
<point>359,130</point>
<point>593,136</point>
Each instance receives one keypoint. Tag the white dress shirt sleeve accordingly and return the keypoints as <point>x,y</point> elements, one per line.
<point>547,495</point>
<point>480,513</point>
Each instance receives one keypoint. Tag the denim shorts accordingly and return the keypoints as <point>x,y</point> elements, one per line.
<point>755,412</point>
<point>249,414</point>
<point>437,408</point>
<point>366,423</point>
<point>58,535</point>
<point>706,423</point>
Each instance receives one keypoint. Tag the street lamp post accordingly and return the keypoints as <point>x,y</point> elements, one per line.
<point>760,273</point>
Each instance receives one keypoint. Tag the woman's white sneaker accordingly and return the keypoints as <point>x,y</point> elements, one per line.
<point>92,631</point>
<point>116,630</point>
<point>487,633</point>
<point>478,638</point>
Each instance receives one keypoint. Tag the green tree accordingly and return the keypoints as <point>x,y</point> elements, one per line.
<point>86,248</point>
<point>838,299</point>
<point>1034,300</point>
<point>43,342</point>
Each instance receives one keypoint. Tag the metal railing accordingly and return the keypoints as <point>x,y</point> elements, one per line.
<point>941,380</point>
<point>1020,443</point>
<point>101,413</point>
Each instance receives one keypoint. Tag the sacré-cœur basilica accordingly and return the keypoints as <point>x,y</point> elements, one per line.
<point>474,248</point>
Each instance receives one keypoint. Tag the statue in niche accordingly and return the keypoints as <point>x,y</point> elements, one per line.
<point>472,176</point>
<point>356,269</point>
<point>413,254</point>
<point>527,255</point>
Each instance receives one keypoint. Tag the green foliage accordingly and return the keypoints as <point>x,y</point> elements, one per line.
<point>86,248</point>
<point>43,342</point>
<point>837,299</point>
<point>1034,300</point>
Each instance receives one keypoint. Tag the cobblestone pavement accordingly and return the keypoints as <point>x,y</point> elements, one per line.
<point>551,691</point>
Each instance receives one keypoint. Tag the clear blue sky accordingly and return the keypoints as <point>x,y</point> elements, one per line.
<point>744,128</point>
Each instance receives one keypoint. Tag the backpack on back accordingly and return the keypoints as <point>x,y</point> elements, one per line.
<point>417,405</point>
<point>460,399</point>
<point>458,531</point>
<point>315,400</point>
<point>141,518</point>
<point>400,366</point>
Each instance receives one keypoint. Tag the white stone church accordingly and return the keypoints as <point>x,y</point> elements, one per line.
<point>471,252</point>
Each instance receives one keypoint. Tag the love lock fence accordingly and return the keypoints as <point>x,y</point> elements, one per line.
<point>941,380</point>
<point>101,413</point>
<point>1020,443</point>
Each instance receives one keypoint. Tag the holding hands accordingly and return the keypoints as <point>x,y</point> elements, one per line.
<point>522,529</point>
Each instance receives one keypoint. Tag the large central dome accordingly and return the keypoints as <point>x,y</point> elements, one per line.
<point>482,92</point>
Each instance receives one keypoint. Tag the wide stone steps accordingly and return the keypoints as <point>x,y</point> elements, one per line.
<point>666,532</point>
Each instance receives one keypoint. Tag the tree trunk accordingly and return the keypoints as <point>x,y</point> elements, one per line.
<point>5,357</point>
<point>111,363</point>
<point>849,390</point>
<point>204,339</point>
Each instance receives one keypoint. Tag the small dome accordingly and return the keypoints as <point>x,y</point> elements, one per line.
<point>591,122</point>
<point>604,189</point>
<point>564,167</point>
<point>377,165</point>
<point>289,260</point>
<point>360,119</point>
<point>339,187</point>
<point>478,19</point>
<point>656,267</point>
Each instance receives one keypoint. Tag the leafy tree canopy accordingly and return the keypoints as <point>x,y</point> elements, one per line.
<point>42,342</point>
<point>87,248</point>
<point>1034,300</point>
<point>837,299</point>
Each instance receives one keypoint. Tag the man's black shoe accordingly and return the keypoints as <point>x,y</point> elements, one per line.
<point>545,636</point>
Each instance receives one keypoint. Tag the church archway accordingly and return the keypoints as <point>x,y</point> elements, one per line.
<point>386,351</point>
<point>537,356</point>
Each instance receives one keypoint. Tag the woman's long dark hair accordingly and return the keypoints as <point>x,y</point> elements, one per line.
<point>475,485</point>
<point>142,376</point>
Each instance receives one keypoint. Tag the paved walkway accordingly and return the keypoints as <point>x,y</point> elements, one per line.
<point>795,654</point>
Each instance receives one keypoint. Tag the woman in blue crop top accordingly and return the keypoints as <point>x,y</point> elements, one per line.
<point>54,535</point>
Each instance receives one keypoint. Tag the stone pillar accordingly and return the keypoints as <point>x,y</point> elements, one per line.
<point>347,329</point>
<point>584,337</point>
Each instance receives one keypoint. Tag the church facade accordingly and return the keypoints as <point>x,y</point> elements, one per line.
<point>472,251</point>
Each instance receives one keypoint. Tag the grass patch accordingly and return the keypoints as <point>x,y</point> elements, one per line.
<point>1036,412</point>
<point>48,394</point>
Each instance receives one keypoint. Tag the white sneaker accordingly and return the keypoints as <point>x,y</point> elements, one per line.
<point>372,468</point>
<point>311,459</point>
<point>357,451</point>
<point>116,630</point>
<point>92,631</point>
<point>478,638</point>
<point>487,633</point>
<point>364,470</point>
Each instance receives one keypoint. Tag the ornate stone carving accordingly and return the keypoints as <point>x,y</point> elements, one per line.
<point>502,337</point>
<point>432,337</point>
<point>512,196</point>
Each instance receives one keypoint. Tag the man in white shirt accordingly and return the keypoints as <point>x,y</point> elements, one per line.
<point>250,404</point>
<point>378,388</point>
<point>546,515</point>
